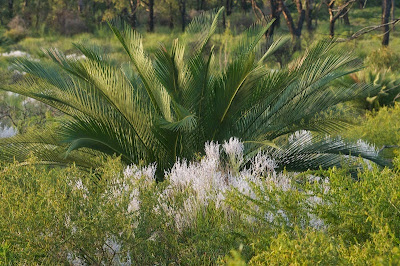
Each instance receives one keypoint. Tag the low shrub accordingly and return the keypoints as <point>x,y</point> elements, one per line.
<point>384,58</point>
<point>17,29</point>
<point>218,209</point>
<point>382,128</point>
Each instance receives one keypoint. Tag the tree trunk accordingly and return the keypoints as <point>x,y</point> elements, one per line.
<point>171,17</point>
<point>308,14</point>
<point>151,16</point>
<point>341,11</point>
<point>38,14</point>
<point>244,5</point>
<point>332,19</point>
<point>295,31</point>
<point>93,12</point>
<point>182,8</point>
<point>200,5</point>
<point>132,20</point>
<point>275,14</point>
<point>331,28</point>
<point>228,7</point>
<point>392,15</point>
<point>346,19</point>
<point>27,13</point>
<point>80,6</point>
<point>386,5</point>
<point>133,5</point>
<point>10,8</point>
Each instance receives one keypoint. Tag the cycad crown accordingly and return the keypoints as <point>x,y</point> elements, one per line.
<point>157,109</point>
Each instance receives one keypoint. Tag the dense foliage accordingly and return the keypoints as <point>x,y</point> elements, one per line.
<point>120,116</point>
<point>205,212</point>
<point>157,110</point>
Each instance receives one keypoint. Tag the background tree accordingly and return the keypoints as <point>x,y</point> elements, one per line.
<point>150,8</point>
<point>295,29</point>
<point>182,10</point>
<point>386,6</point>
<point>334,14</point>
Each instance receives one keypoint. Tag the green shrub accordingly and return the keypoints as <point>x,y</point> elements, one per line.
<point>318,248</point>
<point>55,216</point>
<point>383,58</point>
<point>359,220</point>
<point>381,128</point>
<point>205,212</point>
<point>17,29</point>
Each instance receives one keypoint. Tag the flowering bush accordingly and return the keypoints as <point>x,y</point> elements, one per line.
<point>203,211</point>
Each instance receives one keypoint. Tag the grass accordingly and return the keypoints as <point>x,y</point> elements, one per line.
<point>359,18</point>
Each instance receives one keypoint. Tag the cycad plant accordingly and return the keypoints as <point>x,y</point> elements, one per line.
<point>387,82</point>
<point>166,106</point>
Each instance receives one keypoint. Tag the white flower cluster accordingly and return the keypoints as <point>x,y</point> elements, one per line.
<point>209,180</point>
<point>234,149</point>
<point>193,185</point>
<point>16,53</point>
<point>75,56</point>
<point>78,185</point>
<point>129,183</point>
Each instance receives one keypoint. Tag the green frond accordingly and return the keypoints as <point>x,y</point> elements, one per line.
<point>132,43</point>
<point>305,151</point>
<point>202,28</point>
<point>47,148</point>
<point>157,109</point>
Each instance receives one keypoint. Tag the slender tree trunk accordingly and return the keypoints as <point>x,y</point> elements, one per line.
<point>295,30</point>
<point>151,16</point>
<point>346,17</point>
<point>80,6</point>
<point>341,11</point>
<point>200,5</point>
<point>93,13</point>
<point>37,14</point>
<point>228,7</point>
<point>133,6</point>
<point>275,14</point>
<point>308,15</point>
<point>386,5</point>
<point>27,12</point>
<point>132,20</point>
<point>10,8</point>
<point>332,19</point>
<point>171,17</point>
<point>244,5</point>
<point>392,15</point>
<point>182,8</point>
<point>331,28</point>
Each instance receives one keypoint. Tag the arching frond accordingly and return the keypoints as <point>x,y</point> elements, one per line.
<point>167,106</point>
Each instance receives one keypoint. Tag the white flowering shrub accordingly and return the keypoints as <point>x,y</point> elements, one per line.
<point>120,215</point>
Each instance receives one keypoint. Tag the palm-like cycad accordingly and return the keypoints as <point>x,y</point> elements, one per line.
<point>167,107</point>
